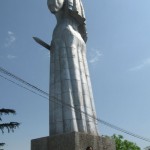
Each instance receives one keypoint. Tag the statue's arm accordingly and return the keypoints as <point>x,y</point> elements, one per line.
<point>55,5</point>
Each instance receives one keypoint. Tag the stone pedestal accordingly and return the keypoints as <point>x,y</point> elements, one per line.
<point>72,141</point>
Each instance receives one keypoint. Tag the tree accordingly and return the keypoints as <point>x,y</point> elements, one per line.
<point>122,144</point>
<point>10,126</point>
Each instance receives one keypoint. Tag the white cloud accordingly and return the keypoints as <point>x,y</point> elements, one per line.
<point>10,39</point>
<point>11,56</point>
<point>142,65</point>
<point>94,56</point>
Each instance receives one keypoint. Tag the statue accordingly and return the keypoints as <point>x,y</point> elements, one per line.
<point>69,75</point>
<point>72,112</point>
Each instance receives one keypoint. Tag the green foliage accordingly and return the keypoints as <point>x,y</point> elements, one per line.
<point>122,144</point>
<point>6,112</point>
<point>10,126</point>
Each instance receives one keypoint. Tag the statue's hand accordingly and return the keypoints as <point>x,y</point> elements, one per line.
<point>55,5</point>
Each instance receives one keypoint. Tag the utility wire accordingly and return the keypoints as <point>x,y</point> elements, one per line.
<point>22,86</point>
<point>4,71</point>
<point>101,121</point>
<point>65,104</point>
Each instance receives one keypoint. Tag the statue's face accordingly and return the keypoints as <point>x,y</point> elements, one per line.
<point>55,5</point>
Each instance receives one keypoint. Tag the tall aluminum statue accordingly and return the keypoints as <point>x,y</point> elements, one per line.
<point>70,83</point>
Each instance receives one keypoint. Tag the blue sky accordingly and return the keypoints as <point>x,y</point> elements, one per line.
<point>118,52</point>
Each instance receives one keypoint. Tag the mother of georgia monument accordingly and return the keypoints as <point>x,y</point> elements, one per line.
<point>69,75</point>
<point>73,123</point>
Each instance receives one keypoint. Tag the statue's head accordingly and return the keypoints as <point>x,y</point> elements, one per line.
<point>55,5</point>
<point>74,5</point>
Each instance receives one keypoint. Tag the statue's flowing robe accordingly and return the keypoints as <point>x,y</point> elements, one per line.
<point>71,99</point>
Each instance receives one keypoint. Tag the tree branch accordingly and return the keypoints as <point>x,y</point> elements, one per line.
<point>9,126</point>
<point>6,112</point>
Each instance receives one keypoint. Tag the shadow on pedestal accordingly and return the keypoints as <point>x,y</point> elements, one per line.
<point>73,141</point>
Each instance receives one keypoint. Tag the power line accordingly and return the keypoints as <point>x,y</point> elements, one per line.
<point>22,86</point>
<point>103,122</point>
<point>123,130</point>
<point>4,71</point>
<point>64,104</point>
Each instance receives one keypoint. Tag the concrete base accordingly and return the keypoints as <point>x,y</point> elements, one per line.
<point>73,141</point>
